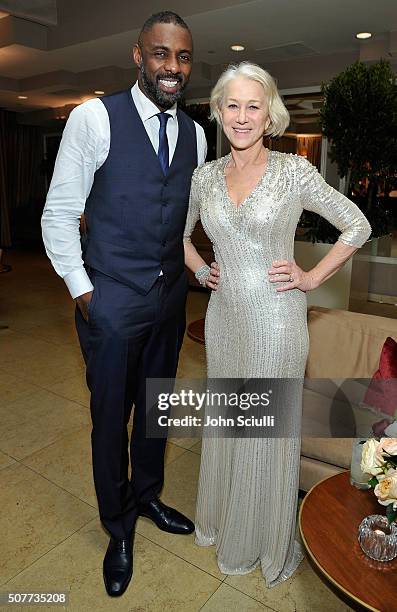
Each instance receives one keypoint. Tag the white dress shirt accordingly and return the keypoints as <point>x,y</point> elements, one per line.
<point>84,148</point>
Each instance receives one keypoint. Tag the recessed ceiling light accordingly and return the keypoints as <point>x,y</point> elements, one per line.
<point>363,35</point>
<point>22,97</point>
<point>99,92</point>
<point>237,48</point>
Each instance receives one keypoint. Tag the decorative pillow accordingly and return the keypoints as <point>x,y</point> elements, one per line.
<point>381,394</point>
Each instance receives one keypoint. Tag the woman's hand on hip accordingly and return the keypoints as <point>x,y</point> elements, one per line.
<point>213,279</point>
<point>291,275</point>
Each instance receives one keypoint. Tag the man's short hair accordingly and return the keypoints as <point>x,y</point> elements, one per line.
<point>163,17</point>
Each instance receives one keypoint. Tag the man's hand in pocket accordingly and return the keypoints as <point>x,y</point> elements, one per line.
<point>82,302</point>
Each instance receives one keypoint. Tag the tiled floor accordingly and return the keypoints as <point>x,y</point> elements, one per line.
<point>51,538</point>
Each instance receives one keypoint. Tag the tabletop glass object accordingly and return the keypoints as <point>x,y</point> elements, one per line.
<point>378,538</point>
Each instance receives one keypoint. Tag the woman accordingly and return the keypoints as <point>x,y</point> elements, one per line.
<point>249,203</point>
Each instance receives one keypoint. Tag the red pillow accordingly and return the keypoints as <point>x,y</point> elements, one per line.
<point>382,391</point>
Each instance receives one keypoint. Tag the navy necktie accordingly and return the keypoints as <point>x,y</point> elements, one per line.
<point>163,153</point>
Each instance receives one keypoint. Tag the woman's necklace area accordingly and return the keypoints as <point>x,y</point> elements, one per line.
<point>231,164</point>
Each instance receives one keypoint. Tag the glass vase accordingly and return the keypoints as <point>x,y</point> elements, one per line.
<point>357,477</point>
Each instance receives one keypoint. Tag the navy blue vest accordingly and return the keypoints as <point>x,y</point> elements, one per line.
<point>135,214</point>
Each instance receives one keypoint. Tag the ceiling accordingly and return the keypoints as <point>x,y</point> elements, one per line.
<point>57,52</point>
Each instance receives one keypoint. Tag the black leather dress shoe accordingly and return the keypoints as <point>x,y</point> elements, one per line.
<point>166,518</point>
<point>117,566</point>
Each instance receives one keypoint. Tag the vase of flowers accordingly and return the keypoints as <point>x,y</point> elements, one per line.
<point>379,461</point>
<point>377,533</point>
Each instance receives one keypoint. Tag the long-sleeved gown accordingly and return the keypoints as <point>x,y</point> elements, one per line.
<point>248,487</point>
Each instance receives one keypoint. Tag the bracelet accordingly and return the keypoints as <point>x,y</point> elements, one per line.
<point>202,275</point>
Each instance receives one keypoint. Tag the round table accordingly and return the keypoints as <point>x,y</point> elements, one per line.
<point>195,331</point>
<point>329,517</point>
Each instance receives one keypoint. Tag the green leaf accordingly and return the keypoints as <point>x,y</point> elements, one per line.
<point>390,513</point>
<point>373,482</point>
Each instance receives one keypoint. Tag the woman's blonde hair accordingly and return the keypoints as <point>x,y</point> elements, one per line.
<point>278,114</point>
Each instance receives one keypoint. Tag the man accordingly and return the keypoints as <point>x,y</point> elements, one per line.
<point>128,163</point>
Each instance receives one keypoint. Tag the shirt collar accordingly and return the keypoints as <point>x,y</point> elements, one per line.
<point>145,107</point>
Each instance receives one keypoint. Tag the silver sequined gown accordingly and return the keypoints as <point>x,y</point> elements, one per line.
<point>248,488</point>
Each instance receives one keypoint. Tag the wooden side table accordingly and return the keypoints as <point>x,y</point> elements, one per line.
<point>195,331</point>
<point>329,518</point>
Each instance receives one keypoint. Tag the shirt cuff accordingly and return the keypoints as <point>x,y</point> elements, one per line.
<point>78,282</point>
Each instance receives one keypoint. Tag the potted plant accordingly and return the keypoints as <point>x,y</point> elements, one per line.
<point>359,118</point>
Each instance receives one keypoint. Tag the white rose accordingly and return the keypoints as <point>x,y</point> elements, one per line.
<point>386,490</point>
<point>387,446</point>
<point>370,462</point>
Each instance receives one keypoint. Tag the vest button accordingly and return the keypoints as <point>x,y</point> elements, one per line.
<point>165,183</point>
<point>164,243</point>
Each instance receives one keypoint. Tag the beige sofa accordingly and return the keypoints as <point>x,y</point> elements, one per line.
<point>343,345</point>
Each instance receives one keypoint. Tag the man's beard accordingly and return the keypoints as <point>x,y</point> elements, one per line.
<point>161,98</point>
